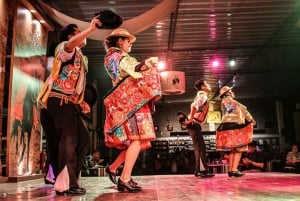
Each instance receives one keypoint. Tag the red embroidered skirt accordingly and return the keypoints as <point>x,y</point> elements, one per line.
<point>237,138</point>
<point>128,115</point>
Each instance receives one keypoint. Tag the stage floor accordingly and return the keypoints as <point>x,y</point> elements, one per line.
<point>269,186</point>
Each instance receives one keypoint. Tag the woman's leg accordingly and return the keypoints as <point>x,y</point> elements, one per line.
<point>236,160</point>
<point>118,161</point>
<point>231,158</point>
<point>131,155</point>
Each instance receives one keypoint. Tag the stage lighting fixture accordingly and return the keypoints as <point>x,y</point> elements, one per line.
<point>215,63</point>
<point>232,62</point>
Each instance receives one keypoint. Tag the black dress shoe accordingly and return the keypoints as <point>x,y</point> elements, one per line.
<point>133,183</point>
<point>235,174</point>
<point>208,175</point>
<point>72,191</point>
<point>205,174</point>
<point>211,174</point>
<point>127,186</point>
<point>112,176</point>
<point>197,174</point>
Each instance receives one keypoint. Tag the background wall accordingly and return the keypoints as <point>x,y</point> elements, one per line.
<point>3,42</point>
<point>28,70</point>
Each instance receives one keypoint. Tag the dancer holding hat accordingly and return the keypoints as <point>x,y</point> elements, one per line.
<point>65,99</point>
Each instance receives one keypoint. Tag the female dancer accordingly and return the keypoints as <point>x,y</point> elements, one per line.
<point>235,131</point>
<point>128,124</point>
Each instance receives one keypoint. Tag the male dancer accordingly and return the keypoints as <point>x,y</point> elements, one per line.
<point>199,109</point>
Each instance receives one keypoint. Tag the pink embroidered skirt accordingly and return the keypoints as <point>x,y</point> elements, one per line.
<point>128,115</point>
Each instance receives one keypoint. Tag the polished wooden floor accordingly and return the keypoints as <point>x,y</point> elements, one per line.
<point>269,186</point>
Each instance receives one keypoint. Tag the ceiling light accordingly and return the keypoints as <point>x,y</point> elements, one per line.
<point>231,62</point>
<point>161,65</point>
<point>215,63</point>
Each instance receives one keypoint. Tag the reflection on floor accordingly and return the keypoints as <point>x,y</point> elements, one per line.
<point>268,186</point>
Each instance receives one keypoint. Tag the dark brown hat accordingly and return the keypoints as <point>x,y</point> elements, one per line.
<point>181,117</point>
<point>109,19</point>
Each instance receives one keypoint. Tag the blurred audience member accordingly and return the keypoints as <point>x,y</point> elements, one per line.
<point>96,160</point>
<point>254,159</point>
<point>293,158</point>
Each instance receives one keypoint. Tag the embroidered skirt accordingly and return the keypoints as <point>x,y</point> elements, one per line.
<point>232,136</point>
<point>128,115</point>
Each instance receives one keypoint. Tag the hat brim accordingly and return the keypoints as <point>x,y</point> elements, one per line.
<point>182,117</point>
<point>181,113</point>
<point>221,95</point>
<point>132,38</point>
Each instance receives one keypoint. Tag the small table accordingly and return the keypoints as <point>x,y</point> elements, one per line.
<point>98,171</point>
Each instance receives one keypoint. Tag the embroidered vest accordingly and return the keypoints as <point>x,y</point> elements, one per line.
<point>202,112</point>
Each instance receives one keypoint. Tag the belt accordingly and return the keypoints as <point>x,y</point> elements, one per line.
<point>64,99</point>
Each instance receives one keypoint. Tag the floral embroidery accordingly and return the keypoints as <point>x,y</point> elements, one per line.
<point>229,108</point>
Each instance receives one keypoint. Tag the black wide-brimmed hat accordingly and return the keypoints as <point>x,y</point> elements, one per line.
<point>109,19</point>
<point>181,117</point>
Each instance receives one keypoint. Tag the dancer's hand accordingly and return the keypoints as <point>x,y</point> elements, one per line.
<point>151,62</point>
<point>95,22</point>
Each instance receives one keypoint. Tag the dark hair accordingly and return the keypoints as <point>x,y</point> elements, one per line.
<point>198,84</point>
<point>66,31</point>
<point>112,41</point>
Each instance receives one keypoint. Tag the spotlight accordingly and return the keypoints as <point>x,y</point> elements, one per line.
<point>215,63</point>
<point>232,62</point>
<point>161,65</point>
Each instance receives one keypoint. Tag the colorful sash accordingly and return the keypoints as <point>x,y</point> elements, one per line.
<point>201,114</point>
<point>129,96</point>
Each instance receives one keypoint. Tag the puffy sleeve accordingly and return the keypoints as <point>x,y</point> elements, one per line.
<point>62,54</point>
<point>248,115</point>
<point>199,100</point>
<point>128,66</point>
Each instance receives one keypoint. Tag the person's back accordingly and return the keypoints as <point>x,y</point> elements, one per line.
<point>254,159</point>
